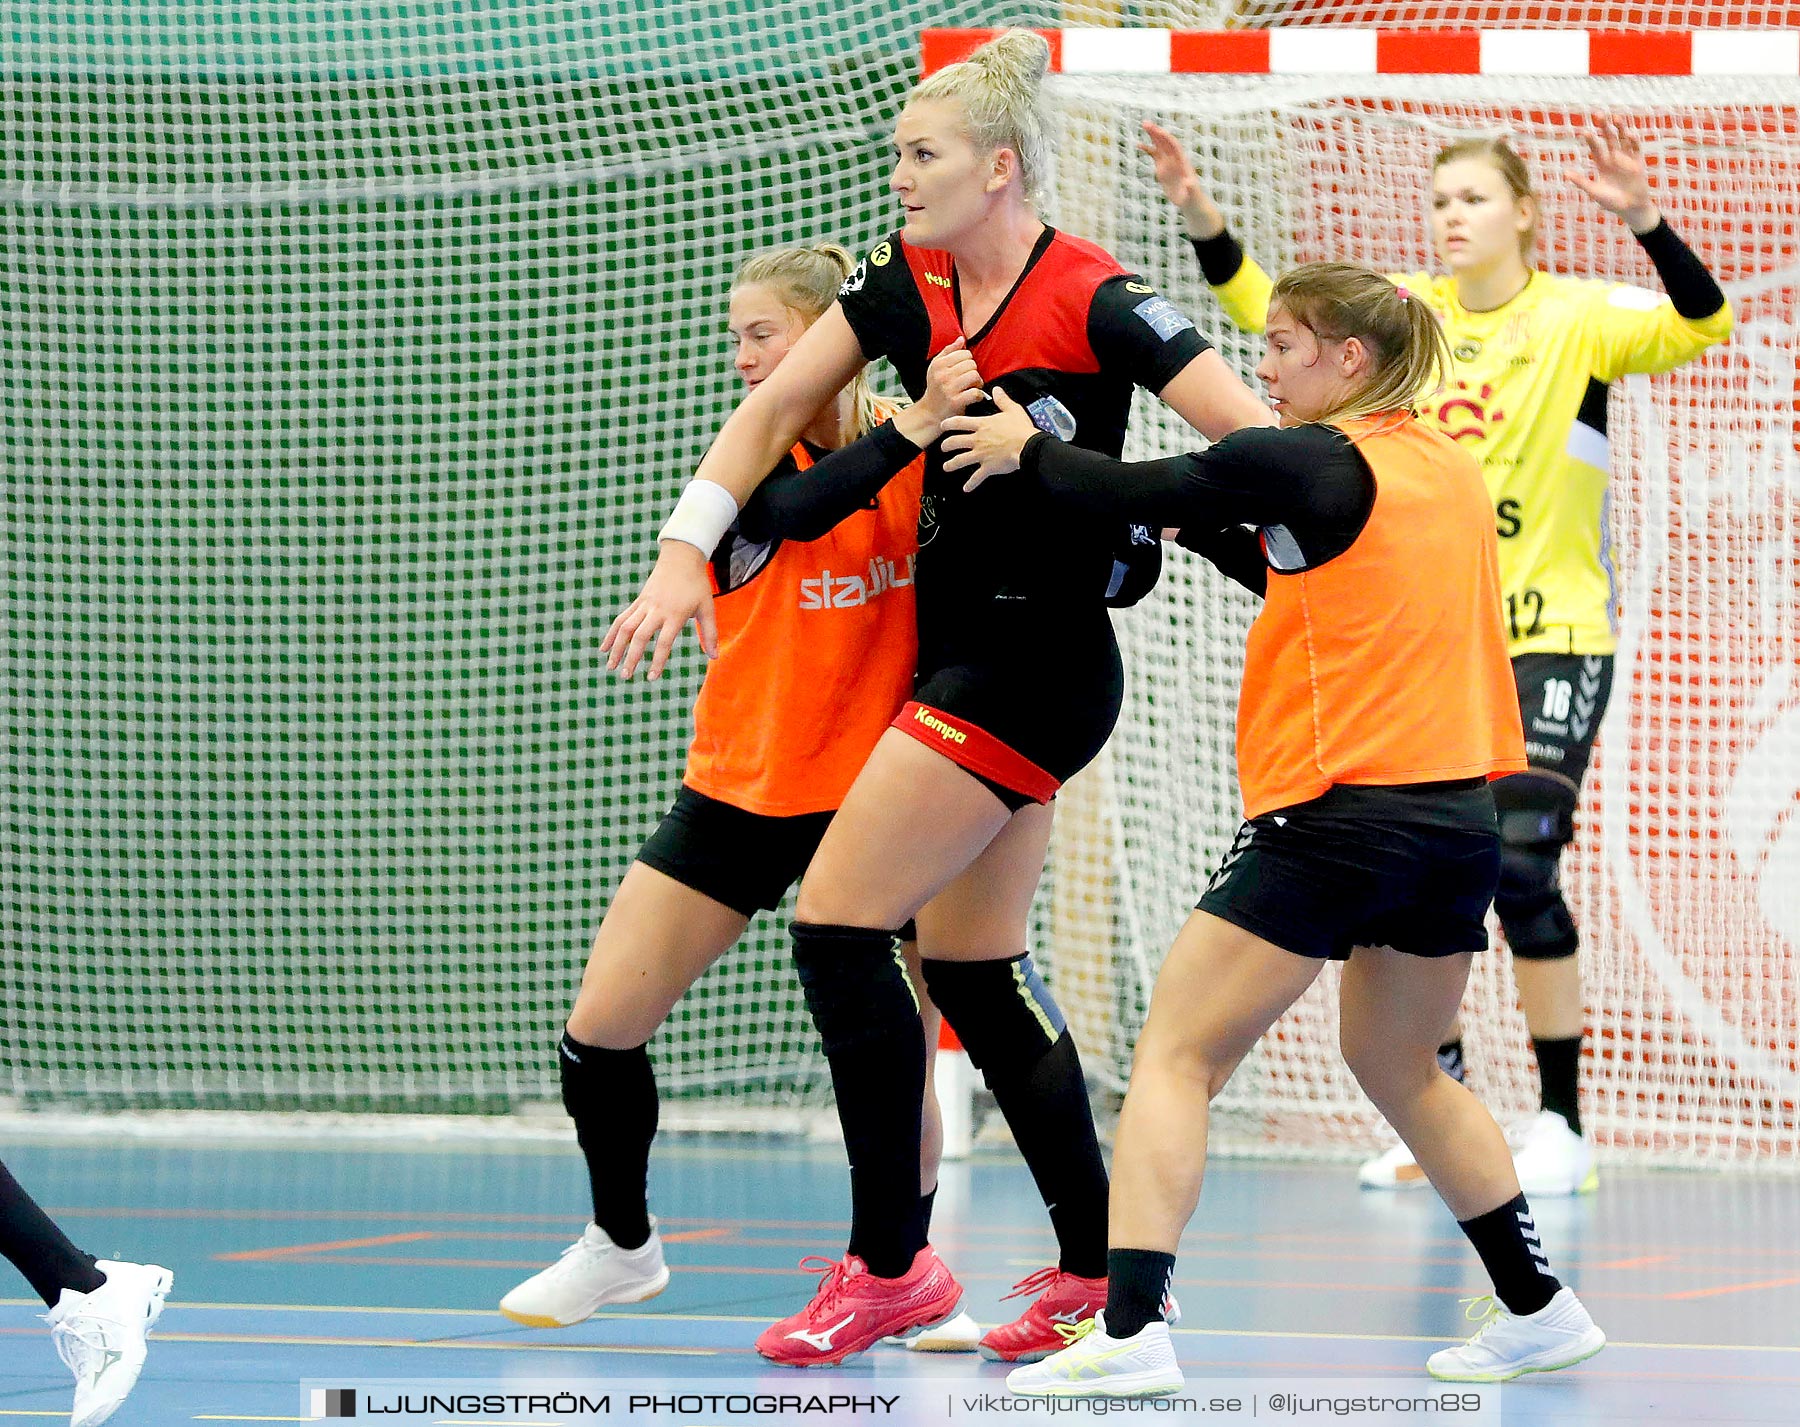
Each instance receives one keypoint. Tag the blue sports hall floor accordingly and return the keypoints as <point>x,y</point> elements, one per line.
<point>345,1263</point>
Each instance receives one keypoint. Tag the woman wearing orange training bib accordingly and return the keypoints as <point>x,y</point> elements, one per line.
<point>1534,353</point>
<point>819,643</point>
<point>1377,707</point>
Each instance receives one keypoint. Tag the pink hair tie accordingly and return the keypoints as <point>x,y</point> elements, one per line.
<point>1404,294</point>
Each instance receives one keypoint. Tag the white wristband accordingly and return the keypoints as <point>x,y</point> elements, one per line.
<point>702,516</point>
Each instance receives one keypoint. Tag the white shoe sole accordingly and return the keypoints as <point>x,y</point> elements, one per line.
<point>648,1289</point>
<point>959,1334</point>
<point>1584,1348</point>
<point>1561,1189</point>
<point>1137,1384</point>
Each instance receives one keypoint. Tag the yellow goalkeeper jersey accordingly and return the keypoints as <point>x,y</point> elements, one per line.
<point>1528,400</point>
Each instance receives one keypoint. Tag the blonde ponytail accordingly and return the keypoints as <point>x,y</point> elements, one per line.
<point>1000,90</point>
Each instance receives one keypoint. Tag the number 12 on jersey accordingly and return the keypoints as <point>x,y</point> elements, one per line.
<point>1525,613</point>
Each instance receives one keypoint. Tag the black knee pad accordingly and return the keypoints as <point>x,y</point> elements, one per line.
<point>1536,808</point>
<point>1537,820</point>
<point>1531,907</point>
<point>855,982</point>
<point>1001,1011</point>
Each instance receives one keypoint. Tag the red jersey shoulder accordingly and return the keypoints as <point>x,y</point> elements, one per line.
<point>1080,262</point>
<point>1075,263</point>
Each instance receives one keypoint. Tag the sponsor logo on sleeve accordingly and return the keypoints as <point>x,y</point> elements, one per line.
<point>1163,317</point>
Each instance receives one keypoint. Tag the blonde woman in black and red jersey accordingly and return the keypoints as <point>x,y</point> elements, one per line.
<point>1377,711</point>
<point>1019,686</point>
<point>818,647</point>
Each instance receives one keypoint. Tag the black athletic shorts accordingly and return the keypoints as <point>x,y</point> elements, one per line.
<point>1413,868</point>
<point>1029,706</point>
<point>742,860</point>
<point>1561,699</point>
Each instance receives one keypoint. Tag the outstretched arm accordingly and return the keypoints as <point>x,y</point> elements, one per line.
<point>1241,286</point>
<point>1637,332</point>
<point>762,429</point>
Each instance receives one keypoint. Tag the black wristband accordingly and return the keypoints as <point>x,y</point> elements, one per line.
<point>1692,288</point>
<point>1221,257</point>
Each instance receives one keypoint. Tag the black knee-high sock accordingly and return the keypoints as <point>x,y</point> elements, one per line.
<point>1559,1078</point>
<point>868,1018</point>
<point>40,1250</point>
<point>611,1097</point>
<point>1507,1240</point>
<point>1014,1033</point>
<point>927,1202</point>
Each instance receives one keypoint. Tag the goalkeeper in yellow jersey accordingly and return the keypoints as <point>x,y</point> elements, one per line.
<point>1534,353</point>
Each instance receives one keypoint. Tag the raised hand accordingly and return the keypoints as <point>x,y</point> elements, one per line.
<point>1180,184</point>
<point>1619,182</point>
<point>988,445</point>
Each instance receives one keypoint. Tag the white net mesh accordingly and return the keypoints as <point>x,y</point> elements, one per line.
<point>351,352</point>
<point>1438,15</point>
<point>1686,876</point>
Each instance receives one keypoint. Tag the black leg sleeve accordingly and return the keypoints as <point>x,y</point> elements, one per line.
<point>38,1249</point>
<point>868,1019</point>
<point>611,1097</point>
<point>1014,1033</point>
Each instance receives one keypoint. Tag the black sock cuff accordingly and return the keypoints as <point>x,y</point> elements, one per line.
<point>1001,1011</point>
<point>855,983</point>
<point>578,1056</point>
<point>1137,1282</point>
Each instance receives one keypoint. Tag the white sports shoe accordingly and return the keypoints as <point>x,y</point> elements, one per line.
<point>962,1334</point>
<point>100,1335</point>
<point>593,1270</point>
<point>1394,1168</point>
<point>1550,1157</point>
<point>1558,1335</point>
<point>1094,1365</point>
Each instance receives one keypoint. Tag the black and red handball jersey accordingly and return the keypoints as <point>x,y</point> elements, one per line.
<point>1070,342</point>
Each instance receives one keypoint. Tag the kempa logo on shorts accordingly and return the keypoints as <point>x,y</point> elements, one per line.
<point>939,727</point>
<point>828,591</point>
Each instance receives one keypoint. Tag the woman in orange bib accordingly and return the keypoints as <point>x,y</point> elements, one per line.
<point>1377,707</point>
<point>818,645</point>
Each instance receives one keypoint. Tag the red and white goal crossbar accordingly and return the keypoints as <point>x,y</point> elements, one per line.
<point>1332,49</point>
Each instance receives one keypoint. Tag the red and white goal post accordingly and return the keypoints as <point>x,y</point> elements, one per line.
<point>1685,877</point>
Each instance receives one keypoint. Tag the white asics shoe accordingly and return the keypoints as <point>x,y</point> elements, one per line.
<point>100,1335</point>
<point>593,1270</point>
<point>1551,1158</point>
<point>1094,1365</point>
<point>962,1334</point>
<point>1558,1335</point>
<point>1394,1168</point>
